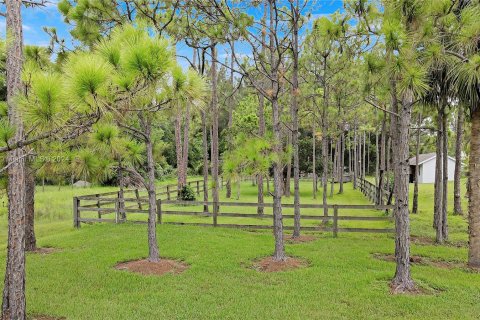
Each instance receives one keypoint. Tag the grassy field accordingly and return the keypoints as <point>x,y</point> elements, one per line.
<point>342,281</point>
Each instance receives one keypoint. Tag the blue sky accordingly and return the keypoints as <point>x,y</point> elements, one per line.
<point>34,19</point>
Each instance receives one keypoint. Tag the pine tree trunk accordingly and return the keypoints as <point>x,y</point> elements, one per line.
<point>261,133</point>
<point>30,239</point>
<point>417,173</point>
<point>383,147</point>
<point>355,157</point>
<point>402,280</point>
<point>314,161</point>
<point>215,160</point>
<point>457,200</point>
<point>288,175</point>
<point>13,303</point>
<point>445,179</point>
<point>153,251</point>
<point>228,185</point>
<point>179,150</point>
<point>279,254</point>
<point>185,145</point>
<point>474,192</point>
<point>205,159</point>
<point>342,159</point>
<point>333,158</point>
<point>325,174</point>
<point>438,186</point>
<point>295,132</point>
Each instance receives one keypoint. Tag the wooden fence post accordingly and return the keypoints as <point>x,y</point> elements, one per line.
<point>335,220</point>
<point>98,206</point>
<point>159,211</point>
<point>76,213</point>
<point>198,187</point>
<point>117,209</point>
<point>168,192</point>
<point>137,195</point>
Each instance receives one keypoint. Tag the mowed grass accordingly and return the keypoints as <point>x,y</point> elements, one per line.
<point>342,280</point>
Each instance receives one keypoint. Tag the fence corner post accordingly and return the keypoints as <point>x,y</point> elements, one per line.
<point>168,192</point>
<point>76,213</point>
<point>335,220</point>
<point>159,211</point>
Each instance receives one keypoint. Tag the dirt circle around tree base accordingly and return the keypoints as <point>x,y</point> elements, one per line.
<point>44,317</point>
<point>44,251</point>
<point>269,265</point>
<point>301,239</point>
<point>145,267</point>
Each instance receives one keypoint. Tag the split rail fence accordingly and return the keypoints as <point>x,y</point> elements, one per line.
<point>133,207</point>
<point>370,190</point>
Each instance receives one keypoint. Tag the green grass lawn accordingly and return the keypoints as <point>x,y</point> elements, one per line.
<point>342,281</point>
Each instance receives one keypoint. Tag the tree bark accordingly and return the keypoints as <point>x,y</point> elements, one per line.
<point>341,159</point>
<point>445,179</point>
<point>261,133</point>
<point>402,280</point>
<point>215,162</point>
<point>417,154</point>
<point>355,156</point>
<point>288,174</point>
<point>30,239</point>
<point>474,192</point>
<point>13,303</point>
<point>314,161</point>
<point>383,147</point>
<point>279,254</point>
<point>228,185</point>
<point>457,201</point>
<point>153,251</point>
<point>185,145</point>
<point>179,150</point>
<point>205,159</point>
<point>295,132</point>
<point>438,186</point>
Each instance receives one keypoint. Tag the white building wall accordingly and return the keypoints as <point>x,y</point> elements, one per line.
<point>427,170</point>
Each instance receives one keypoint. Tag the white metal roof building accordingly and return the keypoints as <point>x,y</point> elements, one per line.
<point>426,168</point>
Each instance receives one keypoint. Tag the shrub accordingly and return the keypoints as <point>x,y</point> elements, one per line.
<point>186,194</point>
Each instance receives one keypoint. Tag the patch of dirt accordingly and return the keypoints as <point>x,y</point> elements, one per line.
<point>426,241</point>
<point>417,290</point>
<point>269,265</point>
<point>146,267</point>
<point>44,251</point>
<point>301,239</point>
<point>425,261</point>
<point>43,317</point>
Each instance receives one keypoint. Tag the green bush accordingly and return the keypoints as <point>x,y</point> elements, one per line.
<point>186,194</point>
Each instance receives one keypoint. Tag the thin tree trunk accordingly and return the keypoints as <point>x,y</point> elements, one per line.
<point>179,150</point>
<point>383,145</point>
<point>333,158</point>
<point>445,178</point>
<point>205,160</point>
<point>279,254</point>
<point>457,201</point>
<point>342,159</point>
<point>314,161</point>
<point>288,175</point>
<point>153,251</point>
<point>355,157</point>
<point>13,303</point>
<point>296,156</point>
<point>228,185</point>
<point>185,145</point>
<point>261,132</point>
<point>215,161</point>
<point>417,167</point>
<point>30,239</point>
<point>474,192</point>
<point>438,186</point>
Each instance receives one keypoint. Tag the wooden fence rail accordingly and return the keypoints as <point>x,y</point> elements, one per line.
<point>177,208</point>
<point>370,190</point>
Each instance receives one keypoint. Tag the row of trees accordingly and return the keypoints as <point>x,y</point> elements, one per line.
<point>347,84</point>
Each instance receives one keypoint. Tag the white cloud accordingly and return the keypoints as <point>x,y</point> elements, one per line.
<point>26,27</point>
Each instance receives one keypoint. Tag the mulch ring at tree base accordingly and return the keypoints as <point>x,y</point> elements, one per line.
<point>43,317</point>
<point>146,267</point>
<point>44,251</point>
<point>426,241</point>
<point>300,239</point>
<point>269,265</point>
<point>423,261</point>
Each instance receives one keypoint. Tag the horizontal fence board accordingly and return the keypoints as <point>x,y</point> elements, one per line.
<point>96,220</point>
<point>96,209</point>
<point>187,213</point>
<point>366,230</point>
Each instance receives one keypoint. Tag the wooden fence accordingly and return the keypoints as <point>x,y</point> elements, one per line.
<point>370,190</point>
<point>123,207</point>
